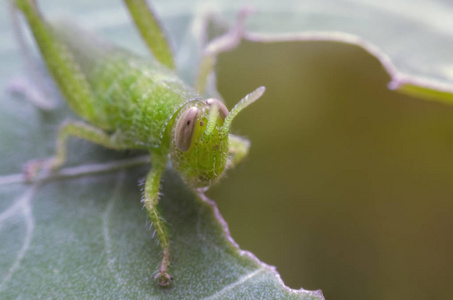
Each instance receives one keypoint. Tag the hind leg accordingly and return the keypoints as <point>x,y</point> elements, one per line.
<point>59,61</point>
<point>151,31</point>
<point>32,91</point>
<point>31,86</point>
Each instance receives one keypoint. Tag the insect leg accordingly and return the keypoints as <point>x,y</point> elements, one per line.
<point>223,43</point>
<point>60,62</point>
<point>35,92</point>
<point>151,31</point>
<point>239,148</point>
<point>77,129</point>
<point>151,198</point>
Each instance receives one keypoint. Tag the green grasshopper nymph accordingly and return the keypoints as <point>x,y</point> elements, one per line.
<point>129,102</point>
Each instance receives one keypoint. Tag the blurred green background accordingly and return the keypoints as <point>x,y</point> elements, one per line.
<point>348,186</point>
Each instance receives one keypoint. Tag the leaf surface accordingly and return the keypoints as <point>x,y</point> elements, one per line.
<point>84,233</point>
<point>86,236</point>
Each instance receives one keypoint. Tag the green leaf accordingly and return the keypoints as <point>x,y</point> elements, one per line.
<point>412,40</point>
<point>82,233</point>
<point>86,237</point>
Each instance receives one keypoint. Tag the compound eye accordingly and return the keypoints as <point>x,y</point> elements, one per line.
<point>185,128</point>
<point>222,108</point>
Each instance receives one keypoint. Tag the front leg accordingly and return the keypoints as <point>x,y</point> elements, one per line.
<point>150,200</point>
<point>78,129</point>
<point>238,150</point>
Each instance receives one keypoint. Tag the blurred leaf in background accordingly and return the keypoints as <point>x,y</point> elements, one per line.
<point>349,186</point>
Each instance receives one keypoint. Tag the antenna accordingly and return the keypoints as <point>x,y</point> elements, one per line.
<point>246,101</point>
<point>213,114</point>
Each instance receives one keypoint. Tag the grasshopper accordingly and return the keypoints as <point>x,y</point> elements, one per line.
<point>130,102</point>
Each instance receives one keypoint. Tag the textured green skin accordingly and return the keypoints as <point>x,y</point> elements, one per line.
<point>132,102</point>
<point>134,98</point>
<point>138,101</point>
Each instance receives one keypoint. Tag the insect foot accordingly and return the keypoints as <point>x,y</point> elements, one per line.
<point>39,168</point>
<point>163,278</point>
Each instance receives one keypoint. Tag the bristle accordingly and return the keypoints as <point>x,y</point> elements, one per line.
<point>246,101</point>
